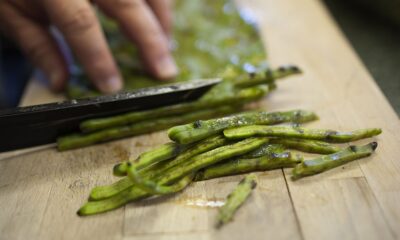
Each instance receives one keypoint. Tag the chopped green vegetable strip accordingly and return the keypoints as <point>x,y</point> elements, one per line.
<point>236,198</point>
<point>82,140</point>
<point>298,132</point>
<point>267,77</point>
<point>198,130</point>
<point>162,153</point>
<point>103,192</point>
<point>116,201</point>
<point>243,165</point>
<point>309,146</point>
<point>324,163</point>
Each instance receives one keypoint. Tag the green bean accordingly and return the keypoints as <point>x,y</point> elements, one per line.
<point>198,130</point>
<point>81,140</point>
<point>103,192</point>
<point>235,199</point>
<point>267,77</point>
<point>234,97</point>
<point>298,132</point>
<point>198,162</point>
<point>162,153</point>
<point>309,146</point>
<point>116,201</point>
<point>245,165</point>
<point>324,163</point>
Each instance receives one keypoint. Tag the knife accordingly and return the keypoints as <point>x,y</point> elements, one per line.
<point>30,126</point>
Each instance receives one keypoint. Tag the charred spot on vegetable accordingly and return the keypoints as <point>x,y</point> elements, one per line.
<point>353,148</point>
<point>294,69</point>
<point>275,117</point>
<point>281,69</point>
<point>252,74</point>
<point>297,116</point>
<point>374,145</point>
<point>330,134</point>
<point>197,124</point>
<point>178,149</point>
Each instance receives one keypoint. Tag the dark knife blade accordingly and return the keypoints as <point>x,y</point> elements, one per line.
<point>41,124</point>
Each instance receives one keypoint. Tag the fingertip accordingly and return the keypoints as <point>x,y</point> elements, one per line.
<point>112,84</point>
<point>165,68</point>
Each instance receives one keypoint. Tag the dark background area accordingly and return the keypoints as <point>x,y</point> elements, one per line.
<point>376,38</point>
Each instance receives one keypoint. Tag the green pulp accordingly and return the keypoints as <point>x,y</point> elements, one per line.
<point>211,38</point>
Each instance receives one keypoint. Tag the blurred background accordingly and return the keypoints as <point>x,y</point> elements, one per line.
<point>372,27</point>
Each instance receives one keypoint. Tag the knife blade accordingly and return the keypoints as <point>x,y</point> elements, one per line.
<point>30,126</point>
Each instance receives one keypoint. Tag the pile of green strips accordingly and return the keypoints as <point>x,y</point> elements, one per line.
<point>237,144</point>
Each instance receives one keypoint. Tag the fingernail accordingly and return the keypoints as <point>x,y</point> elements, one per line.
<point>166,68</point>
<point>111,85</point>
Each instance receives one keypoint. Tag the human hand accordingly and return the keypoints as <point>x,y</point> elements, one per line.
<point>144,22</point>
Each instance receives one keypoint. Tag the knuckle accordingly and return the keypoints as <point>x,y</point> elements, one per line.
<point>79,21</point>
<point>36,50</point>
<point>156,42</point>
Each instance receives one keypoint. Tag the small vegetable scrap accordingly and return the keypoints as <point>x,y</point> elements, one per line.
<point>248,142</point>
<point>236,199</point>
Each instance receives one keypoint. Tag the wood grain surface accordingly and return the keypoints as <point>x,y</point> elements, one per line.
<point>41,189</point>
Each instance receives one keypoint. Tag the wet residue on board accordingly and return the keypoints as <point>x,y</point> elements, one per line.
<point>121,153</point>
<point>201,202</point>
<point>139,144</point>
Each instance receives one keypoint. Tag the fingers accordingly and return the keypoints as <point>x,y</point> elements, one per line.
<point>77,21</point>
<point>37,43</point>
<point>162,9</point>
<point>142,26</point>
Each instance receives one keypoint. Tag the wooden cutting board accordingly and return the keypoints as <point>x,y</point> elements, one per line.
<point>40,191</point>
